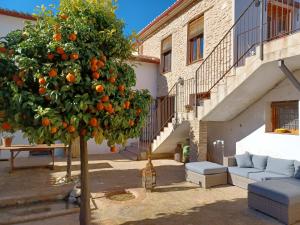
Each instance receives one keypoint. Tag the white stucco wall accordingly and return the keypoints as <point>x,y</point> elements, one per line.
<point>247,132</point>
<point>9,23</point>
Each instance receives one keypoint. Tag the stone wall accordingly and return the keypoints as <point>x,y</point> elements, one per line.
<point>218,19</point>
<point>198,140</point>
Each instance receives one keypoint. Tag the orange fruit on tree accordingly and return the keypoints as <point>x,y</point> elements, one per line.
<point>108,107</point>
<point>111,70</point>
<point>6,126</point>
<point>131,123</point>
<point>94,61</point>
<point>100,64</point>
<point>74,56</point>
<point>72,37</point>
<point>99,88</point>
<point>113,149</point>
<point>96,75</point>
<point>64,16</point>
<point>42,81</point>
<point>46,122</point>
<point>111,111</point>
<point>52,73</point>
<point>100,106</point>
<point>2,49</point>
<point>71,78</point>
<point>112,80</point>
<point>60,50</point>
<point>64,57</point>
<point>53,130</point>
<point>64,124</point>
<point>71,129</point>
<point>127,105</point>
<point>138,111</point>
<point>105,98</point>
<point>94,68</point>
<point>57,37</point>
<point>121,88</point>
<point>50,56</point>
<point>42,90</point>
<point>93,122</point>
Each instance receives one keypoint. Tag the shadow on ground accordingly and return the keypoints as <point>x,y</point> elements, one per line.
<point>107,180</point>
<point>234,212</point>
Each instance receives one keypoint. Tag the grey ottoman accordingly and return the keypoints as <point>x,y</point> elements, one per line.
<point>277,198</point>
<point>206,174</point>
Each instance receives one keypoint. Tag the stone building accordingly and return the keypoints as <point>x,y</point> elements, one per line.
<point>219,83</point>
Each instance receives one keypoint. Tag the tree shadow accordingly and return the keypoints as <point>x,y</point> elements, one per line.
<point>229,212</point>
<point>107,180</point>
<point>76,167</point>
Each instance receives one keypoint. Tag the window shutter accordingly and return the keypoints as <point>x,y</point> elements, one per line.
<point>167,44</point>
<point>196,27</point>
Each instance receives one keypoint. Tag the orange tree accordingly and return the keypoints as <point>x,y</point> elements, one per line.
<point>66,76</point>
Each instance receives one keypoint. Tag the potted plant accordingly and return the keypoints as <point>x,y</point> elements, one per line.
<point>186,154</point>
<point>7,139</point>
<point>188,108</point>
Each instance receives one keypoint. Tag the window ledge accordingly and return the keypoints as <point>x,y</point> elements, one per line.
<point>289,134</point>
<point>196,61</point>
<point>164,73</point>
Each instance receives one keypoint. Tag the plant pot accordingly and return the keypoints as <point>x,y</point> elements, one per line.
<point>7,141</point>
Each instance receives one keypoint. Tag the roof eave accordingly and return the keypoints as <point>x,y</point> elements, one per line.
<point>164,18</point>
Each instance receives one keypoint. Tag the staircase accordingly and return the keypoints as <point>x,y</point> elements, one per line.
<point>230,78</point>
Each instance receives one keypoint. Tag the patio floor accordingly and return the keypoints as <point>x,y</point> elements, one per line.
<point>174,201</point>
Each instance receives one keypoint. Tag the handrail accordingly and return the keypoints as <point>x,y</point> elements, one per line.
<point>231,28</point>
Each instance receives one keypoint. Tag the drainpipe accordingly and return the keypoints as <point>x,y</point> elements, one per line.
<point>262,29</point>
<point>289,74</point>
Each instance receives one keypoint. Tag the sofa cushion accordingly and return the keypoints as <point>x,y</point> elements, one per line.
<point>244,160</point>
<point>259,161</point>
<point>243,172</point>
<point>297,169</point>
<point>205,168</point>
<point>284,191</point>
<point>281,166</point>
<point>262,176</point>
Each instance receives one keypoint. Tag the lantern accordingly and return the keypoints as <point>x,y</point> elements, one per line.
<point>149,176</point>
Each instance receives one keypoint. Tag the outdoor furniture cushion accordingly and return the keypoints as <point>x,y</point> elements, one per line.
<point>284,191</point>
<point>297,169</point>
<point>205,168</point>
<point>259,161</point>
<point>244,160</point>
<point>243,172</point>
<point>262,176</point>
<point>281,166</point>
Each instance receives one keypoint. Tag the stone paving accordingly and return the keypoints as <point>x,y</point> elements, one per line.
<point>174,201</point>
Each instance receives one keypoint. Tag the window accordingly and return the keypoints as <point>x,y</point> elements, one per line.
<point>285,117</point>
<point>166,54</point>
<point>196,40</point>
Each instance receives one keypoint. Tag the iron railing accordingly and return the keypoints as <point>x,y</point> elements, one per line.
<point>261,21</point>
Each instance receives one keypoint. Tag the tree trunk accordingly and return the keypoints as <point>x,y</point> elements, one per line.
<point>85,191</point>
<point>69,162</point>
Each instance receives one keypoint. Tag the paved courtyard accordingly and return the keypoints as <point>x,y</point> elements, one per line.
<point>174,201</point>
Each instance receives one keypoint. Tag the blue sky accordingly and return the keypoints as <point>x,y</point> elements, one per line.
<point>136,13</point>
